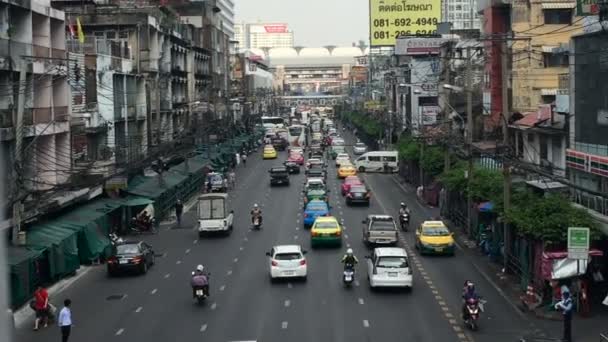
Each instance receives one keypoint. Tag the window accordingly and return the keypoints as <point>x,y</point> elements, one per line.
<point>458,7</point>
<point>451,8</point>
<point>552,60</point>
<point>558,16</point>
<point>458,15</point>
<point>466,24</point>
<point>373,158</point>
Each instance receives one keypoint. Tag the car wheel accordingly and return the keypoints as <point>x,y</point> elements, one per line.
<point>111,274</point>
<point>153,261</point>
<point>304,278</point>
<point>144,268</point>
<point>361,169</point>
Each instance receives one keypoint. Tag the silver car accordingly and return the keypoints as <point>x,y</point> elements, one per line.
<point>359,148</point>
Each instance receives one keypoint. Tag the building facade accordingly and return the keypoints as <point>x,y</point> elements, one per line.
<point>461,14</point>
<point>264,35</point>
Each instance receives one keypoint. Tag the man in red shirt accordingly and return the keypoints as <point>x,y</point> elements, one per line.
<point>41,305</point>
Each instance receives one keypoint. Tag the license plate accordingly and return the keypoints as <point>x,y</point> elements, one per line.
<point>439,249</point>
<point>122,262</point>
<point>393,274</point>
<point>199,292</point>
<point>288,273</point>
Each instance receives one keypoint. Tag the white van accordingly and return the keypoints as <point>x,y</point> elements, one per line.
<point>375,161</point>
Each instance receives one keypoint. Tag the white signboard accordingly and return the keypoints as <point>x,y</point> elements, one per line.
<point>578,243</point>
<point>418,46</point>
<point>425,73</point>
<point>428,114</point>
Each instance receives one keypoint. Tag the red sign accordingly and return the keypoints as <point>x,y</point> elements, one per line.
<point>275,28</point>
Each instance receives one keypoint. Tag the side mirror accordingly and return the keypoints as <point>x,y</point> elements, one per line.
<point>192,272</point>
<point>268,253</point>
<point>363,221</point>
<point>232,211</point>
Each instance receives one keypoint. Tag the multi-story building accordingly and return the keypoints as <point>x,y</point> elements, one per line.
<point>34,102</point>
<point>462,14</point>
<point>264,35</point>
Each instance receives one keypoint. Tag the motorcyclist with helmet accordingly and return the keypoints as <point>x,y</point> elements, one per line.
<point>256,212</point>
<point>403,209</point>
<point>200,279</point>
<point>349,259</point>
<point>468,292</point>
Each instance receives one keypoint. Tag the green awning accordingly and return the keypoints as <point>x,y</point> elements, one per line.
<point>134,201</point>
<point>151,188</point>
<point>17,255</point>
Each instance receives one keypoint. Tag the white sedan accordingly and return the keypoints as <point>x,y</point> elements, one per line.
<point>359,148</point>
<point>389,267</point>
<point>287,261</point>
<point>342,158</point>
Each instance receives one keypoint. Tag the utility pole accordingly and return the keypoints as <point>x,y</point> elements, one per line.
<point>469,94</point>
<point>506,168</point>
<point>17,203</point>
<point>447,162</point>
<point>158,115</point>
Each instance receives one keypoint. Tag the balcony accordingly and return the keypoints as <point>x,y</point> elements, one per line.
<point>44,115</point>
<point>41,51</point>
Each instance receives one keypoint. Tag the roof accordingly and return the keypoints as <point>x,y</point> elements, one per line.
<point>380,216</point>
<point>390,251</point>
<point>433,223</point>
<point>287,248</point>
<point>315,180</point>
<point>532,119</point>
<point>326,219</point>
<point>213,195</point>
<point>314,203</point>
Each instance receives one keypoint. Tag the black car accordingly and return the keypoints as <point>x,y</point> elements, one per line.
<point>292,167</point>
<point>279,175</point>
<point>279,144</point>
<point>315,150</point>
<point>131,256</point>
<point>358,194</point>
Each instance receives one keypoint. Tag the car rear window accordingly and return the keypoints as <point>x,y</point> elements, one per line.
<point>317,207</point>
<point>357,188</point>
<point>326,225</point>
<point>392,262</point>
<point>435,231</point>
<point>383,225</point>
<point>127,249</point>
<point>288,256</point>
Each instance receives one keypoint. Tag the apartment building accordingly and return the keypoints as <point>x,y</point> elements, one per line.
<point>462,14</point>
<point>264,35</point>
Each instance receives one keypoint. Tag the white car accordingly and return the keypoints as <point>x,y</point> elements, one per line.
<point>314,182</point>
<point>314,161</point>
<point>342,158</point>
<point>389,267</point>
<point>359,148</point>
<point>287,261</point>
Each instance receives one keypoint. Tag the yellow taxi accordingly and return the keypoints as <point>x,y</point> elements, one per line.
<point>433,237</point>
<point>346,169</point>
<point>269,152</point>
<point>325,231</point>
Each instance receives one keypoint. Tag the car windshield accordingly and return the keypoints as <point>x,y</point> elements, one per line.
<point>347,165</point>
<point>326,225</point>
<point>317,207</point>
<point>216,178</point>
<point>342,156</point>
<point>359,145</point>
<point>288,256</point>
<point>392,262</point>
<point>435,231</point>
<point>383,225</point>
<point>127,249</point>
<point>357,189</point>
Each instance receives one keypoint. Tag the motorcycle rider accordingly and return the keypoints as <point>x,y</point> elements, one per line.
<point>468,292</point>
<point>349,258</point>
<point>200,278</point>
<point>256,212</point>
<point>403,209</point>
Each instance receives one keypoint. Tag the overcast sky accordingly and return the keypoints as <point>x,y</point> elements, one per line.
<point>314,22</point>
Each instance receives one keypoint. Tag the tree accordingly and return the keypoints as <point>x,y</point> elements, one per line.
<point>486,184</point>
<point>408,148</point>
<point>433,161</point>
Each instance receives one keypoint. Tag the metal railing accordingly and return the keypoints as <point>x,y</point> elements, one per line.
<point>592,202</point>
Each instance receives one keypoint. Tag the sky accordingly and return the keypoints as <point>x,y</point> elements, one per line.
<point>314,22</point>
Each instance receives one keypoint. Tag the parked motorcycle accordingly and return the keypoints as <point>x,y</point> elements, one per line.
<point>349,275</point>
<point>473,309</point>
<point>404,219</point>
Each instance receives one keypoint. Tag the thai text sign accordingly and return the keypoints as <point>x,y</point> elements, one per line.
<point>578,243</point>
<point>587,7</point>
<point>392,19</point>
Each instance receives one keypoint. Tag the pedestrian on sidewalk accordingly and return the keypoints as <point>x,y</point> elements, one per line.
<point>565,305</point>
<point>244,156</point>
<point>232,179</point>
<point>41,306</point>
<point>238,159</point>
<point>65,320</point>
<point>179,209</point>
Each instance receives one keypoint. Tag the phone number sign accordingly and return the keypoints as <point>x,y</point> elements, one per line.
<point>393,19</point>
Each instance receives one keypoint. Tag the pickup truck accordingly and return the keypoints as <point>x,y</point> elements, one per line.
<point>279,175</point>
<point>379,230</point>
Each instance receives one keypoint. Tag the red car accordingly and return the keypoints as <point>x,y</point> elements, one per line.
<point>296,158</point>
<point>348,182</point>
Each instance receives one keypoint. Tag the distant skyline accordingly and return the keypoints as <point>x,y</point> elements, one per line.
<point>314,22</point>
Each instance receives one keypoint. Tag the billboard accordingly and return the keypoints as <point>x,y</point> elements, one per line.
<point>392,19</point>
<point>418,46</point>
<point>425,72</point>
<point>268,28</point>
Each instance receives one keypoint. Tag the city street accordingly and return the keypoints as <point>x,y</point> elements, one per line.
<point>244,304</point>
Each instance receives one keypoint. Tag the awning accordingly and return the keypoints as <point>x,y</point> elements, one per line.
<point>556,265</point>
<point>548,92</point>
<point>549,48</point>
<point>558,5</point>
<point>134,201</point>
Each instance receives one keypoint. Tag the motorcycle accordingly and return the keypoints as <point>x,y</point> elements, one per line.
<point>404,219</point>
<point>348,275</point>
<point>257,222</point>
<point>200,288</point>
<point>115,240</point>
<point>473,308</point>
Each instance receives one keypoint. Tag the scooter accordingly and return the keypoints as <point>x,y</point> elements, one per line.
<point>257,223</point>
<point>404,219</point>
<point>473,309</point>
<point>349,275</point>
<point>200,291</point>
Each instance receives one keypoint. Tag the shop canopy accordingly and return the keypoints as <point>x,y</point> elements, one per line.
<point>153,188</point>
<point>556,265</point>
<point>23,275</point>
<point>61,246</point>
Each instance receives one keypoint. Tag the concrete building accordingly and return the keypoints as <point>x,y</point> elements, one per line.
<point>462,14</point>
<point>264,35</point>
<point>33,72</point>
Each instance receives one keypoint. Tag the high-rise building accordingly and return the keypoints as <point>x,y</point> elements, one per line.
<point>259,35</point>
<point>226,17</point>
<point>462,14</point>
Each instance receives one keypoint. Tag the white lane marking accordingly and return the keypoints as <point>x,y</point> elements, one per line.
<point>361,301</point>
<point>213,306</point>
<point>347,245</point>
<point>245,239</point>
<point>342,213</point>
<point>287,303</point>
<point>298,221</point>
<point>284,325</point>
<point>153,291</point>
<point>178,262</point>
<point>297,228</point>
<point>240,248</point>
<point>120,331</point>
<point>346,236</point>
<point>203,327</point>
<point>229,272</point>
<point>289,286</point>
<point>195,242</point>
<point>295,237</point>
<point>138,310</point>
<point>187,250</point>
<point>366,323</point>
<point>167,275</point>
<point>222,288</point>
<point>236,260</point>
<point>357,283</point>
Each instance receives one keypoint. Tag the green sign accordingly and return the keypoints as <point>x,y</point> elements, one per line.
<point>587,7</point>
<point>578,242</point>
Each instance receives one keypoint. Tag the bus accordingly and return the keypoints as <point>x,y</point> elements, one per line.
<point>273,122</point>
<point>296,135</point>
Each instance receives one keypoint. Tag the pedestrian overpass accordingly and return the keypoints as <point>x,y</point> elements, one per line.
<point>311,100</point>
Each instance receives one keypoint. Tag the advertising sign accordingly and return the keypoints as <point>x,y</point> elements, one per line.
<point>418,46</point>
<point>425,75</point>
<point>268,28</point>
<point>392,19</point>
<point>587,7</point>
<point>428,114</point>
<point>578,243</point>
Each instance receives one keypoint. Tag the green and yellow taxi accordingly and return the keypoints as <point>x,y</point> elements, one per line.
<point>433,237</point>
<point>269,152</point>
<point>326,231</point>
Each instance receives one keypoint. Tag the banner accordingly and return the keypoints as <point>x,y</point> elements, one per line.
<point>587,7</point>
<point>393,19</point>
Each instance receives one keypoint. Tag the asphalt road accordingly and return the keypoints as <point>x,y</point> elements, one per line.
<point>244,304</point>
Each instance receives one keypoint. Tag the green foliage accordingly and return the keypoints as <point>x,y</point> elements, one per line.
<point>454,178</point>
<point>365,122</point>
<point>433,160</point>
<point>486,184</point>
<point>408,148</point>
<point>548,218</point>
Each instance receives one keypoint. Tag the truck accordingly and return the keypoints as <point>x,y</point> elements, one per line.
<point>213,214</point>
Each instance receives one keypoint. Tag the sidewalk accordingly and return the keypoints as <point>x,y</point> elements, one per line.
<point>583,329</point>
